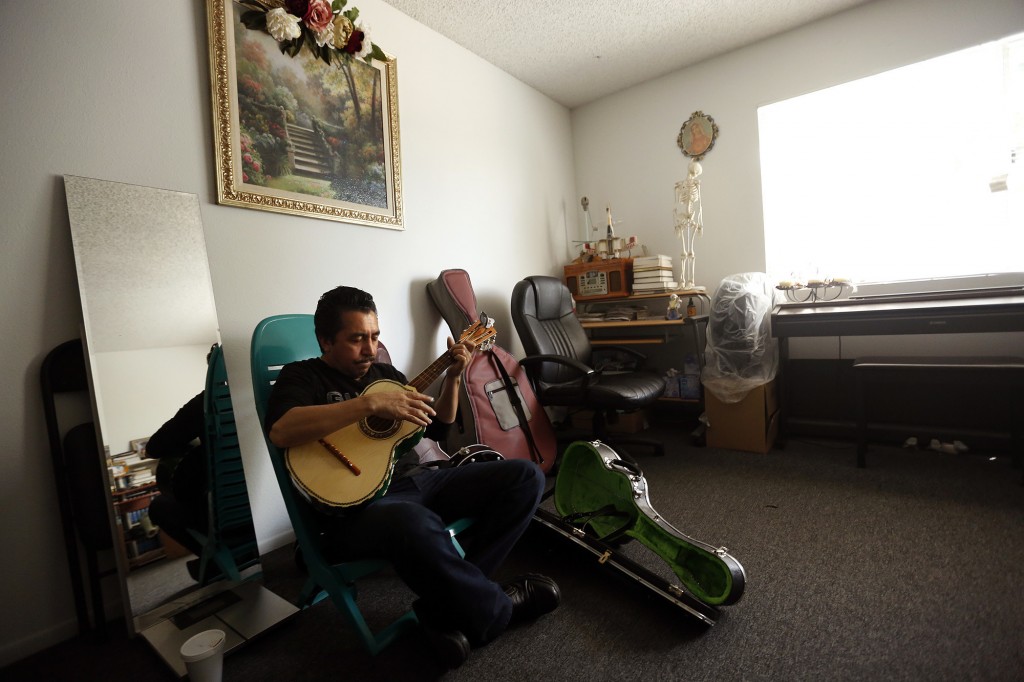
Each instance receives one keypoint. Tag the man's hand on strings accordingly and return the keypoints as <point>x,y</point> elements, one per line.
<point>410,406</point>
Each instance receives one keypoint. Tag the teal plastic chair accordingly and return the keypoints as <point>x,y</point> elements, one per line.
<point>277,341</point>
<point>230,540</point>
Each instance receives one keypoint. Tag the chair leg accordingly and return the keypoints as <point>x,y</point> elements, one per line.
<point>344,598</point>
<point>1017,433</point>
<point>226,562</point>
<point>311,594</point>
<point>599,425</point>
<point>98,614</point>
<point>339,583</point>
<point>862,420</point>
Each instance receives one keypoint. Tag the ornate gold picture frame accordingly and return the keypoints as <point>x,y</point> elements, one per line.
<point>297,135</point>
<point>698,135</point>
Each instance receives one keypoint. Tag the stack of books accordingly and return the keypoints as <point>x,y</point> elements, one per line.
<point>620,313</point>
<point>597,316</point>
<point>626,313</point>
<point>653,274</point>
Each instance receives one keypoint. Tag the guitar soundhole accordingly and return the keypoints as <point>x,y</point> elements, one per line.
<point>379,427</point>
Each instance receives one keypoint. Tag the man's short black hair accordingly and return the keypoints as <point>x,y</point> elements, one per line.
<point>327,319</point>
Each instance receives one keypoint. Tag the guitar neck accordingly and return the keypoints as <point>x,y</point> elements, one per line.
<point>433,372</point>
<point>479,334</point>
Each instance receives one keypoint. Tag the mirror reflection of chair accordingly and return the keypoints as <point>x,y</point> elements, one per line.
<point>277,341</point>
<point>563,366</point>
<point>229,543</point>
<point>80,479</point>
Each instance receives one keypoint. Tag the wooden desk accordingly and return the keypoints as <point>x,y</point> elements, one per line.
<point>631,324</point>
<point>654,330</point>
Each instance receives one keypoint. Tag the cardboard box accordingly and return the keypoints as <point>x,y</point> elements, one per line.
<point>627,422</point>
<point>750,425</point>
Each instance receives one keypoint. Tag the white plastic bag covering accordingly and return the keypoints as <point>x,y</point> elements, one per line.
<point>741,353</point>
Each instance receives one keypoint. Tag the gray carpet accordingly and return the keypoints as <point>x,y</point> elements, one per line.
<point>906,570</point>
<point>155,584</point>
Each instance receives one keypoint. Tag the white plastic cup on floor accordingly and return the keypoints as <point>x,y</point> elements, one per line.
<point>203,655</point>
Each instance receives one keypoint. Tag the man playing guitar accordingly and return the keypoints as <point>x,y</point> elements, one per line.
<point>458,605</point>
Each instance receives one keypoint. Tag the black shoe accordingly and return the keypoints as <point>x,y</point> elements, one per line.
<point>449,647</point>
<point>532,596</point>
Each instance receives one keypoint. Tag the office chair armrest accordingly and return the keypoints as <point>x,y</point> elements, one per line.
<point>534,363</point>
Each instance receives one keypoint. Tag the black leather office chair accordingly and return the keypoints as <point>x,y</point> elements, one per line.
<point>563,366</point>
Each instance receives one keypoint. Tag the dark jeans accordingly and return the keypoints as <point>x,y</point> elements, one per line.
<point>175,518</point>
<point>407,527</point>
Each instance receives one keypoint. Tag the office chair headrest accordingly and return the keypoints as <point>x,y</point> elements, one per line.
<point>552,300</point>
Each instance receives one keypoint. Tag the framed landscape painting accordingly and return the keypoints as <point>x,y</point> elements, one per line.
<point>295,134</point>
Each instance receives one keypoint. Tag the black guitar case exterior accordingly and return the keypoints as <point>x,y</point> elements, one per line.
<point>612,560</point>
<point>606,497</point>
<point>601,501</point>
<point>497,406</point>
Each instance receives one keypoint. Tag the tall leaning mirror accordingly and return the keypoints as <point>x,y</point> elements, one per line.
<point>151,335</point>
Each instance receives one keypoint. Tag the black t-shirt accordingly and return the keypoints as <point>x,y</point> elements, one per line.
<point>178,444</point>
<point>314,382</point>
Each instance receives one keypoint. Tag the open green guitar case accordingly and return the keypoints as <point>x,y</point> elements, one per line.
<point>605,498</point>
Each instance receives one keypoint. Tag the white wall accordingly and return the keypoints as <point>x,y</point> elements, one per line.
<point>625,144</point>
<point>627,158</point>
<point>120,91</point>
<point>129,406</point>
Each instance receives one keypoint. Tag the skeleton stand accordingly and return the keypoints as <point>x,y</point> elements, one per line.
<point>689,223</point>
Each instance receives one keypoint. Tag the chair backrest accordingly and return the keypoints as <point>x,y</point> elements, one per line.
<point>276,341</point>
<point>78,474</point>
<point>544,318</point>
<point>230,512</point>
<point>77,465</point>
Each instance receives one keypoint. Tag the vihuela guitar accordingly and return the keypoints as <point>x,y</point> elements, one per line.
<point>354,464</point>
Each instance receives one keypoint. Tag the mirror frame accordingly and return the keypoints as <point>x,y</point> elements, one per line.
<point>106,219</point>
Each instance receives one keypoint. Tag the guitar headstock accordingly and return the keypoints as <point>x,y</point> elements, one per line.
<point>481,333</point>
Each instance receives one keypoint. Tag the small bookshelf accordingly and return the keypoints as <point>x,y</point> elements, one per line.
<point>133,487</point>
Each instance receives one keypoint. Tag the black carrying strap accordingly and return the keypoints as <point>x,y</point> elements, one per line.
<point>513,397</point>
<point>583,519</point>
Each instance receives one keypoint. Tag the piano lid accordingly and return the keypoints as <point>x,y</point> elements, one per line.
<point>968,311</point>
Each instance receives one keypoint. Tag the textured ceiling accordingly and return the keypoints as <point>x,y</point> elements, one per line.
<point>576,51</point>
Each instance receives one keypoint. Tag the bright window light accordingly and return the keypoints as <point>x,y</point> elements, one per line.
<point>888,178</point>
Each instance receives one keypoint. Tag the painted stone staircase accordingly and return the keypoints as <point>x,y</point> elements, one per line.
<point>310,159</point>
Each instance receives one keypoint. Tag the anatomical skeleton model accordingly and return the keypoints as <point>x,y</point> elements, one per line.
<point>689,222</point>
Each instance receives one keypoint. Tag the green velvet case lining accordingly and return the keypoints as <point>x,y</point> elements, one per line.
<point>587,488</point>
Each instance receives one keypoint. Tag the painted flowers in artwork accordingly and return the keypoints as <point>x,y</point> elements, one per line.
<point>326,29</point>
